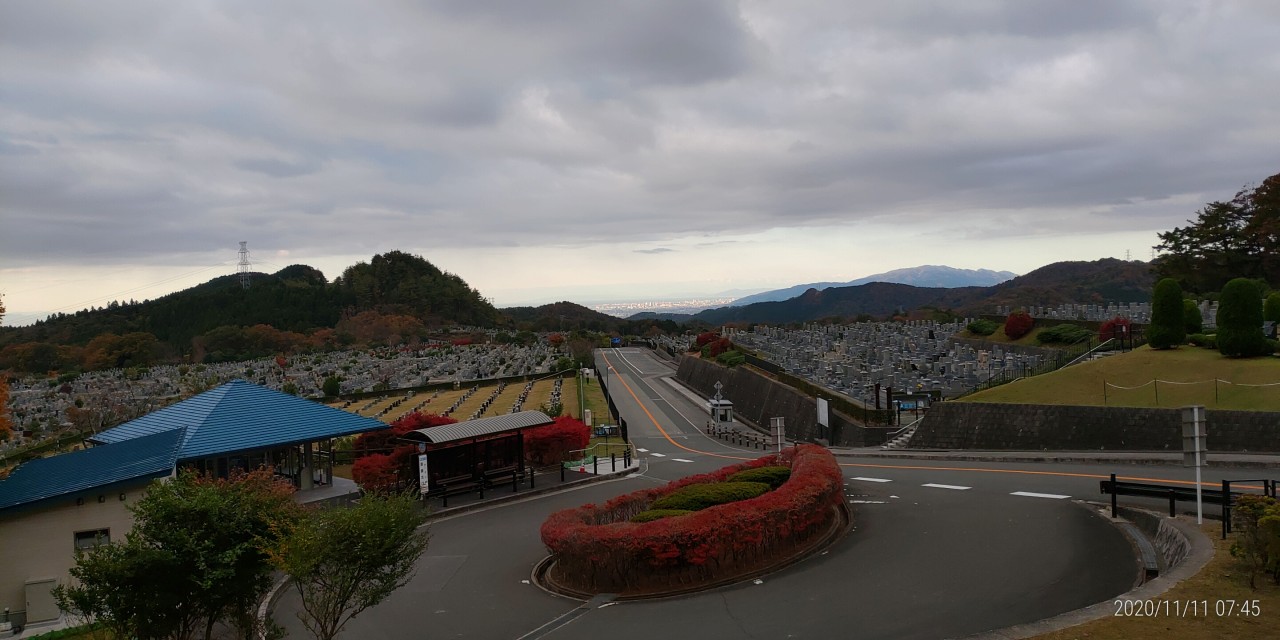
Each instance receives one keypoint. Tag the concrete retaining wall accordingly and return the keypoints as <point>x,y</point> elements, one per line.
<point>990,426</point>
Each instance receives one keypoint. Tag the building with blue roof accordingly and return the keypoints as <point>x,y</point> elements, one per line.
<point>52,506</point>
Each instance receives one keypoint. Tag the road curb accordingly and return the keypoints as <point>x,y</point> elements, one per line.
<point>1058,457</point>
<point>512,497</point>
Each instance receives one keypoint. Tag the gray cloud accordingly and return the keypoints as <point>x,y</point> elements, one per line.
<point>336,127</point>
<point>656,250</point>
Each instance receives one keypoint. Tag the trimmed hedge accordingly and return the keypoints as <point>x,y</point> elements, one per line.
<point>982,327</point>
<point>658,514</point>
<point>773,476</point>
<point>597,550</point>
<point>702,496</point>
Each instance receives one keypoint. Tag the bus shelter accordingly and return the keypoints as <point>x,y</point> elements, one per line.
<point>473,452</point>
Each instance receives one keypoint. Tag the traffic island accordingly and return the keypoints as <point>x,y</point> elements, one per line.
<point>690,542</point>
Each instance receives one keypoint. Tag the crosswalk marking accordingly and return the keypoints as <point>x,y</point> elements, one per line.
<point>680,460</point>
<point>946,486</point>
<point>659,455</point>
<point>871,479</point>
<point>642,450</point>
<point>1030,494</point>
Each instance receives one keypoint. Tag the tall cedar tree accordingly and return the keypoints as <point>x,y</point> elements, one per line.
<point>1240,320</point>
<point>1271,310</point>
<point>1192,320</point>
<point>1168,319</point>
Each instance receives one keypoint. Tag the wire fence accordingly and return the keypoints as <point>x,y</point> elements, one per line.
<point>1178,392</point>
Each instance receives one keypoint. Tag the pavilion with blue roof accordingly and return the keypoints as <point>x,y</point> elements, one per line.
<point>241,425</point>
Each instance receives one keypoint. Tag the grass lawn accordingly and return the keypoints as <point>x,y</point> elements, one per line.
<point>1224,578</point>
<point>595,401</point>
<point>1185,376</point>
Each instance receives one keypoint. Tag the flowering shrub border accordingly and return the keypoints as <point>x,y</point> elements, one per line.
<point>596,549</point>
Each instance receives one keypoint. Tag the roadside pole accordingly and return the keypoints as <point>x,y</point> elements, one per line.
<point>1193,449</point>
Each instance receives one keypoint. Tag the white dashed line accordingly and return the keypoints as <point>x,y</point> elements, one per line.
<point>658,455</point>
<point>641,450</point>
<point>947,486</point>
<point>680,460</point>
<point>867,502</point>
<point>872,479</point>
<point>1039,495</point>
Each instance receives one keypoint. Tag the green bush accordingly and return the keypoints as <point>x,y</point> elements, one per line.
<point>657,514</point>
<point>1271,308</point>
<point>696,497</point>
<point>1064,334</point>
<point>1209,341</point>
<point>773,476</point>
<point>982,327</point>
<point>1240,320</point>
<point>731,358</point>
<point>1192,320</point>
<point>1168,317</point>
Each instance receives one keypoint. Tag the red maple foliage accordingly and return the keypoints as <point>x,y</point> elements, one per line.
<point>1018,324</point>
<point>550,444</point>
<point>382,460</point>
<point>1117,327</point>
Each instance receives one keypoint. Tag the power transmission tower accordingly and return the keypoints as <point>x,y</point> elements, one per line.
<point>244,264</point>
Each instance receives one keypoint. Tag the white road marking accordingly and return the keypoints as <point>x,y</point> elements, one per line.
<point>1030,494</point>
<point>658,455</point>
<point>642,450</point>
<point>680,460</point>
<point>946,486</point>
<point>867,502</point>
<point>871,479</point>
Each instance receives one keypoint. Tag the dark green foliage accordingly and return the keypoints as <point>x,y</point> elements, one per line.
<point>982,327</point>
<point>1065,334</point>
<point>731,358</point>
<point>1209,341</point>
<point>332,386</point>
<point>774,476</point>
<point>1192,320</point>
<point>657,514</point>
<point>1240,320</point>
<point>696,497</point>
<point>1271,310</point>
<point>1168,319</point>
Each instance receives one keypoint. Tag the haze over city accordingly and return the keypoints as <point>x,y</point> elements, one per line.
<point>612,152</point>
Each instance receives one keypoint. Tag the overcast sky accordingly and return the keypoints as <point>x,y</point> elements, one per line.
<point>594,150</point>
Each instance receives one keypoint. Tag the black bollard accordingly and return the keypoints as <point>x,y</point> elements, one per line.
<point>613,461</point>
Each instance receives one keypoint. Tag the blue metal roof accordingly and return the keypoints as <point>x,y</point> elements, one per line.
<point>241,416</point>
<point>151,456</point>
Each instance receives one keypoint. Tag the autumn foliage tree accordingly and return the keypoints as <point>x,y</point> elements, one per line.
<point>1117,327</point>
<point>1018,324</point>
<point>382,460</point>
<point>550,444</point>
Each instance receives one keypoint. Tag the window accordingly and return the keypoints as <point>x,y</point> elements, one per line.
<point>90,539</point>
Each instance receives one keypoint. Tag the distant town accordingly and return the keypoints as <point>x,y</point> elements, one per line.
<point>627,309</point>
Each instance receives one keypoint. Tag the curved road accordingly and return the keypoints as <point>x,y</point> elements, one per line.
<point>937,550</point>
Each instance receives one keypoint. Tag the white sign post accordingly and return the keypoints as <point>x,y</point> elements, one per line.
<point>776,426</point>
<point>1193,449</point>
<point>423,478</point>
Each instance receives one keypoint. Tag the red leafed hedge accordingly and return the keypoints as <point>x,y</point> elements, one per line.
<point>597,550</point>
<point>1018,324</point>
<point>550,444</point>
<point>1117,327</point>
<point>383,462</point>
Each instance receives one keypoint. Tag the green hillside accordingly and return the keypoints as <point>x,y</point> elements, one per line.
<point>1147,378</point>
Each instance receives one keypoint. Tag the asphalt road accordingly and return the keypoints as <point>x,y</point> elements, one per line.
<point>937,549</point>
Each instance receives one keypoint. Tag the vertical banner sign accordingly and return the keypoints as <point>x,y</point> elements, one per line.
<point>1193,448</point>
<point>423,477</point>
<point>824,413</point>
<point>777,431</point>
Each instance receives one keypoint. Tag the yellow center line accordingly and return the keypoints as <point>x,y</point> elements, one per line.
<point>1028,472</point>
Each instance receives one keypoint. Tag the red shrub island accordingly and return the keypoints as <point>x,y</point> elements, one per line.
<point>1018,324</point>
<point>550,444</point>
<point>597,549</point>
<point>382,461</point>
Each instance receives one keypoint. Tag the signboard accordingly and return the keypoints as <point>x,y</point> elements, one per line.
<point>423,478</point>
<point>1193,448</point>
<point>617,342</point>
<point>777,430</point>
<point>824,412</point>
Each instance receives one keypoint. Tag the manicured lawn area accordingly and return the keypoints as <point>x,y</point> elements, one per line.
<point>1184,376</point>
<point>1224,578</point>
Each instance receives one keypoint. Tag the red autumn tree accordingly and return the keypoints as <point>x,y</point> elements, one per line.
<point>550,444</point>
<point>1117,327</point>
<point>1018,324</point>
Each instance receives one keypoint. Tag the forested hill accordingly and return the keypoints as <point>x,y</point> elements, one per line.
<point>1096,282</point>
<point>408,290</point>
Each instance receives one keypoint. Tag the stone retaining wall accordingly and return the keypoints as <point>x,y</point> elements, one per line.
<point>992,426</point>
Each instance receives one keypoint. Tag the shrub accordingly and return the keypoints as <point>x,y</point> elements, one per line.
<point>1240,320</point>
<point>1166,330</point>
<point>1117,327</point>
<point>731,358</point>
<point>1271,309</point>
<point>982,327</point>
<point>1018,324</point>
<point>774,476</point>
<point>1257,531</point>
<point>1064,334</point>
<point>1209,341</point>
<point>657,514</point>
<point>550,444</point>
<point>700,496</point>
<point>1192,320</point>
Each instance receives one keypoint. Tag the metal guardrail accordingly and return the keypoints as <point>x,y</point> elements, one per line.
<point>1223,496</point>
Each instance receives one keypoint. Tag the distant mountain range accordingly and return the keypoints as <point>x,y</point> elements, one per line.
<point>1096,282</point>
<point>927,276</point>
